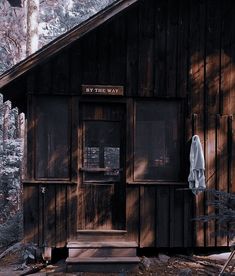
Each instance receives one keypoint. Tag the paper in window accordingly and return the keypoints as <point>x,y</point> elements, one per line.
<point>112,159</point>
<point>91,157</point>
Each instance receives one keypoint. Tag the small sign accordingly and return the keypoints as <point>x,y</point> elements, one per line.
<point>102,90</point>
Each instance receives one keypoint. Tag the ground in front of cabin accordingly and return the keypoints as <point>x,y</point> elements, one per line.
<point>163,264</point>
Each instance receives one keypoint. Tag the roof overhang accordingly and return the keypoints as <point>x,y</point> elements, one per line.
<point>64,40</point>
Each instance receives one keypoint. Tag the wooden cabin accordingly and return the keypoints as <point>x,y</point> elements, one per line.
<point>111,108</point>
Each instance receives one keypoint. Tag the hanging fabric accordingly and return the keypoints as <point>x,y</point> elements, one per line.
<point>196,176</point>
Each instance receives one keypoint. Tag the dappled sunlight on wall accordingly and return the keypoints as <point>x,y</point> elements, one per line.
<point>141,166</point>
<point>213,84</point>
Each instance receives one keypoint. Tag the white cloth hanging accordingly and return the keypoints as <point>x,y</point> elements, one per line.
<point>196,176</point>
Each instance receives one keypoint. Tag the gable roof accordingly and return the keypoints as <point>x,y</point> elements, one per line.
<point>64,40</point>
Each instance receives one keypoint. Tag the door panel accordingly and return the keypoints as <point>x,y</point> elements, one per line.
<point>101,192</point>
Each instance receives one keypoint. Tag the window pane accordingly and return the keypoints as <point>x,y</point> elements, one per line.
<point>102,149</point>
<point>52,139</point>
<point>157,147</point>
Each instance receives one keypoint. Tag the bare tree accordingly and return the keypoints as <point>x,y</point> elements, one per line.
<point>12,35</point>
<point>32,26</point>
<point>37,22</point>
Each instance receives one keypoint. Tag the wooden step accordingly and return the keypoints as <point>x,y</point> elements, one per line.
<point>103,256</point>
<point>102,249</point>
<point>100,244</point>
<point>101,235</point>
<point>109,260</point>
<point>108,264</point>
<point>101,252</point>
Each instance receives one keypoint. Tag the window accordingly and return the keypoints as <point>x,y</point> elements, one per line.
<point>102,150</point>
<point>157,141</point>
<point>52,138</point>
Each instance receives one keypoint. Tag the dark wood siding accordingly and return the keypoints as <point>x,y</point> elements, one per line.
<point>157,50</point>
<point>49,213</point>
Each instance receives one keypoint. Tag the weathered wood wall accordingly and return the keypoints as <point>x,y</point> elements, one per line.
<point>157,50</point>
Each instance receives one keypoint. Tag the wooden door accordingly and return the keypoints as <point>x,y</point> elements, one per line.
<point>101,199</point>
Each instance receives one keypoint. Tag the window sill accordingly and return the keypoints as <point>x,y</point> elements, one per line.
<point>156,183</point>
<point>46,182</point>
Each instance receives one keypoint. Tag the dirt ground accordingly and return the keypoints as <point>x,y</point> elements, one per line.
<point>181,265</point>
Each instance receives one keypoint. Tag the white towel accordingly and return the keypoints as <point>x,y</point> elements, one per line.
<point>196,176</point>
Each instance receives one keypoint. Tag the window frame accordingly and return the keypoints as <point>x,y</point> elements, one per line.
<point>67,101</point>
<point>181,122</point>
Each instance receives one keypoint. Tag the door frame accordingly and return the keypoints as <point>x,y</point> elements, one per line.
<point>80,136</point>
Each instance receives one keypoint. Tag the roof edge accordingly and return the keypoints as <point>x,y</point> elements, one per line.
<point>64,40</point>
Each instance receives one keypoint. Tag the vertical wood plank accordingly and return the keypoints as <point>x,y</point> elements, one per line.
<point>197,88</point>
<point>178,238</point>
<point>233,157</point>
<point>97,207</point>
<point>199,199</point>
<point>61,215</point>
<point>171,47</point>
<point>212,102</point>
<point>211,175</point>
<point>80,210</point>
<point>147,222</point>
<point>227,78</point>
<point>160,47</point>
<point>231,22</point>
<point>171,217</point>
<point>130,140</point>
<point>231,187</point>
<point>60,78</point>
<point>30,82</point>
<point>31,211</point>
<point>222,166</point>
<point>106,210</point>
<point>117,58</point>
<point>104,59</point>
<point>182,49</point>
<point>132,23</point>
<point>50,216</point>
<point>89,58</point>
<point>189,201</point>
<point>72,212</point>
<point>232,154</point>
<point>132,212</point>
<point>41,216</point>
<point>74,138</point>
<point>75,69</point>
<point>146,46</point>
<point>30,139</point>
<point>212,65</point>
<point>43,78</point>
<point>188,223</point>
<point>197,54</point>
<point>162,217</point>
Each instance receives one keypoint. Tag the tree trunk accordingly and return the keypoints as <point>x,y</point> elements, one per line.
<point>32,26</point>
